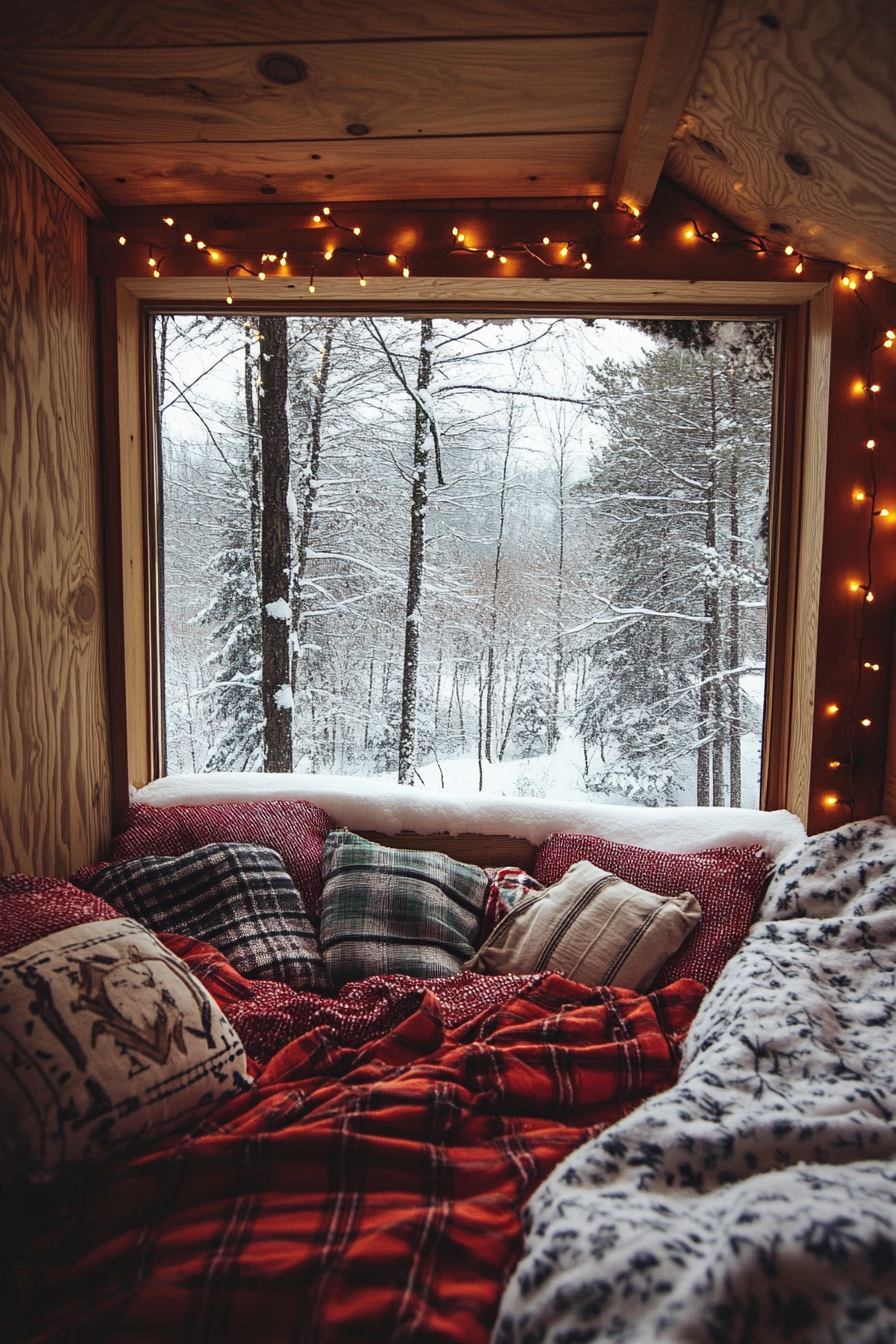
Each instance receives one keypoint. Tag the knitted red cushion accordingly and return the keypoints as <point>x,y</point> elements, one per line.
<point>35,907</point>
<point>727,883</point>
<point>296,830</point>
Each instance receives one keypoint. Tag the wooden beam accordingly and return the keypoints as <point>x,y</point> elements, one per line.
<point>675,45</point>
<point>18,127</point>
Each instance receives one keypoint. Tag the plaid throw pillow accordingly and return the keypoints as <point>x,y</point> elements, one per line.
<point>239,898</point>
<point>396,911</point>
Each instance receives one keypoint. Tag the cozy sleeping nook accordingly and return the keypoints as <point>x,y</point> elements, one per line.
<point>448,747</point>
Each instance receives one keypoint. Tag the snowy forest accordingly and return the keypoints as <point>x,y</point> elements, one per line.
<point>520,556</point>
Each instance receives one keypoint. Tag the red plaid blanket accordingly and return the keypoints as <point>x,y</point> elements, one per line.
<point>369,1193</point>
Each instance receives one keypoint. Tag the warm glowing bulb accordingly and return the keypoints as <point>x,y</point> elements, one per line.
<point>362,282</point>
<point>328,256</point>
<point>854,586</point>
<point>356,231</point>
<point>406,272</point>
<point>875,387</point>
<point>392,257</point>
<point>230,298</point>
<point>595,205</point>
<point>310,289</point>
<point>714,237</point>
<point>454,231</point>
<point>874,667</point>
<point>152,262</point>
<point>637,238</point>
<point>870,443</point>
<point>852,284</point>
<point>844,280</point>
<point>834,765</point>
<point>503,261</point>
<point>587,265</point>
<point>584,256</point>
<point>635,211</point>
<point>188,237</point>
<point>884,513</point>
<point>788,251</point>
<point>869,597</point>
<point>891,335</point>
<point>689,233</point>
<point>157,274</point>
<point>489,253</point>
<point>866,723</point>
<point>545,240</point>
<point>317,219</point>
<point>869,275</point>
<point>200,246</point>
<point>888,343</point>
<point>833,709</point>
<point>261,275</point>
<point>214,255</point>
<point>169,221</point>
<point>326,209</point>
<point>122,240</point>
<point>831,800</point>
<point>799,268</point>
<point>859,494</point>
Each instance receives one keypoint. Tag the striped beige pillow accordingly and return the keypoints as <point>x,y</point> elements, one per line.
<point>591,927</point>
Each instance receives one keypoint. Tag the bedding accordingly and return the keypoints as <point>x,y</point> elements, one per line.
<point>295,829</point>
<point>726,882</point>
<point>755,1201</point>
<point>396,911</point>
<point>591,927</point>
<point>370,1193</point>
<point>239,898</point>
<point>106,1040</point>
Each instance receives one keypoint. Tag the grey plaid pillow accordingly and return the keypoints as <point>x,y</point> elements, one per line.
<point>239,898</point>
<point>396,911</point>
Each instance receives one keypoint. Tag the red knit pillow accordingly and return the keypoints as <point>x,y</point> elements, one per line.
<point>296,830</point>
<point>35,907</point>
<point>727,883</point>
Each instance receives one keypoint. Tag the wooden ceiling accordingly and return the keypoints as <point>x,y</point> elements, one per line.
<point>170,102</point>
<point>778,113</point>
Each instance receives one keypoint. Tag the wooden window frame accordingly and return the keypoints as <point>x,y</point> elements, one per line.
<point>804,312</point>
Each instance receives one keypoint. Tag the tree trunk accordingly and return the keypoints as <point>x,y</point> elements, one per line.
<point>407,737</point>
<point>715,631</point>
<point>490,728</point>
<point>312,470</point>
<point>276,551</point>
<point>734,761</point>
<point>254,455</point>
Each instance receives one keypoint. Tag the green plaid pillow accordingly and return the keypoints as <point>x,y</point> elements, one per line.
<point>396,911</point>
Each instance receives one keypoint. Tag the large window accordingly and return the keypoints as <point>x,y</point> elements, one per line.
<point>524,556</point>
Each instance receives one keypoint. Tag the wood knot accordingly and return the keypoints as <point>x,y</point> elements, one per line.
<point>84,604</point>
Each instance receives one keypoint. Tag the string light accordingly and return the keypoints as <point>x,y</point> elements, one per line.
<point>122,240</point>
<point>188,237</point>
<point>166,219</point>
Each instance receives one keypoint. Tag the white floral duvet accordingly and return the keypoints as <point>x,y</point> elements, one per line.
<point>754,1202</point>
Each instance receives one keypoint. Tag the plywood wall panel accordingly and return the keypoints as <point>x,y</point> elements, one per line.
<point>54,772</point>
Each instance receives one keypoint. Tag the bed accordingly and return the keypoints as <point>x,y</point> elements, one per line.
<point>370,1178</point>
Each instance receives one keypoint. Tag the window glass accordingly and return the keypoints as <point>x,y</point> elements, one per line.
<point>523,557</point>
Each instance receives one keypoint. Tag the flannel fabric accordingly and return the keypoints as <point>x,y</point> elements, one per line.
<point>239,898</point>
<point>371,1194</point>
<point>727,883</point>
<point>34,907</point>
<point>268,1015</point>
<point>506,888</point>
<point>295,830</point>
<point>396,911</point>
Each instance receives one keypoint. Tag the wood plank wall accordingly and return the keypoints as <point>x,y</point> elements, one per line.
<point>54,759</point>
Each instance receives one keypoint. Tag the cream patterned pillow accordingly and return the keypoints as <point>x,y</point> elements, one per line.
<point>106,1041</point>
